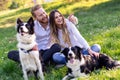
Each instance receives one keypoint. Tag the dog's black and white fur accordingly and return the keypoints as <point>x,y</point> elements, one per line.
<point>28,51</point>
<point>80,65</point>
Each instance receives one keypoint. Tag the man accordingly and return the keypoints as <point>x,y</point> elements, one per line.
<point>42,32</point>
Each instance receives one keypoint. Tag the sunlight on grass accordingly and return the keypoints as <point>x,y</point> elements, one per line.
<point>98,23</point>
<point>10,20</point>
<point>7,25</point>
<point>2,13</point>
<point>71,9</point>
<point>65,8</point>
<point>109,41</point>
<point>92,3</point>
<point>103,75</point>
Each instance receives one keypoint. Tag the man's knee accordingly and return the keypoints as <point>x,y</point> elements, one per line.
<point>13,55</point>
<point>56,47</point>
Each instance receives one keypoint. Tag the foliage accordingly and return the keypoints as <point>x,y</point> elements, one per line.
<point>17,3</point>
<point>4,4</point>
<point>14,4</point>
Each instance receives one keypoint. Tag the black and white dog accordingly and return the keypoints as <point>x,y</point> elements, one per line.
<point>80,65</point>
<point>28,50</point>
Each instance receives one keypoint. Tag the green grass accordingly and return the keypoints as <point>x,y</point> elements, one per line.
<point>98,22</point>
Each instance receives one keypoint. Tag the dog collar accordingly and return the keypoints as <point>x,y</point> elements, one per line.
<point>35,48</point>
<point>26,51</point>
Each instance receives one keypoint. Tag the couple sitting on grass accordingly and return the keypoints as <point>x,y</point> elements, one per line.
<point>53,34</point>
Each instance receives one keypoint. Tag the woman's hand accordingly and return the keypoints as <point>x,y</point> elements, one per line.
<point>93,53</point>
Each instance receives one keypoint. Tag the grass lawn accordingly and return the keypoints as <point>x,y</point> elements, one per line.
<point>99,22</point>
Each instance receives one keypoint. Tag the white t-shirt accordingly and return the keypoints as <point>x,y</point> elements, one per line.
<point>42,35</point>
<point>75,36</point>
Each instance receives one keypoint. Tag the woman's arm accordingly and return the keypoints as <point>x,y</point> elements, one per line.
<point>81,39</point>
<point>74,32</point>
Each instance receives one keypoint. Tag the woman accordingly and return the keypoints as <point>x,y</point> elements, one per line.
<point>66,34</point>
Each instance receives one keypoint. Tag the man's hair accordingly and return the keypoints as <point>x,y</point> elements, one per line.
<point>34,8</point>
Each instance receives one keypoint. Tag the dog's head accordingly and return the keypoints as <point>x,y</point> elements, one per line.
<point>25,28</point>
<point>25,31</point>
<point>72,54</point>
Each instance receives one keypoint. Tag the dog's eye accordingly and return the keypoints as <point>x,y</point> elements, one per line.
<point>27,25</point>
<point>73,48</point>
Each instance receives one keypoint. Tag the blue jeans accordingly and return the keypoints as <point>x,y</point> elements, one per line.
<point>59,58</point>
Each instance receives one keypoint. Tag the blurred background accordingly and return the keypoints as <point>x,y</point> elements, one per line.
<point>14,4</point>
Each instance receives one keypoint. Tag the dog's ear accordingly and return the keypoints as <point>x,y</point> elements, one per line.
<point>31,25</point>
<point>65,51</point>
<point>31,21</point>
<point>78,48</point>
<point>78,51</point>
<point>19,21</point>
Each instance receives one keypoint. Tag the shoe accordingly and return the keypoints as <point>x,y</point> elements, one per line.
<point>59,65</point>
<point>44,68</point>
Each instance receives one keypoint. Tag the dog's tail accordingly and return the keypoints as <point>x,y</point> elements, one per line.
<point>108,62</point>
<point>117,64</point>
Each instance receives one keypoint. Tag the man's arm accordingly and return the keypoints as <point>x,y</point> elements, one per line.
<point>73,19</point>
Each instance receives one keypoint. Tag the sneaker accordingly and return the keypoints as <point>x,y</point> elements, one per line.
<point>44,68</point>
<point>59,65</point>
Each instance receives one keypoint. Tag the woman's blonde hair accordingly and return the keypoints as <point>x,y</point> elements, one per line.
<point>54,29</point>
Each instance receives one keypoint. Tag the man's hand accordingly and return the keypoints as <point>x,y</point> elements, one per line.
<point>35,48</point>
<point>73,19</point>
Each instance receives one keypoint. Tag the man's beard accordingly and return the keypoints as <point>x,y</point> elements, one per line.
<point>44,21</point>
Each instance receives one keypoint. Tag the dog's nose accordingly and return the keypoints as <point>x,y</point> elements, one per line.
<point>70,54</point>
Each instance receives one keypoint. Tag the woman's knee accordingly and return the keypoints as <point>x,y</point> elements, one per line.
<point>59,58</point>
<point>96,47</point>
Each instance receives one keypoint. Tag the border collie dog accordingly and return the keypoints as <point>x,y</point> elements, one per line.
<point>80,65</point>
<point>28,50</point>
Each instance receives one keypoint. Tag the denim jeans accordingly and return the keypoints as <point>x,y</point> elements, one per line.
<point>59,58</point>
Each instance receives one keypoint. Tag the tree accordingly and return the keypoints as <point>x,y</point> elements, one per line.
<point>4,4</point>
